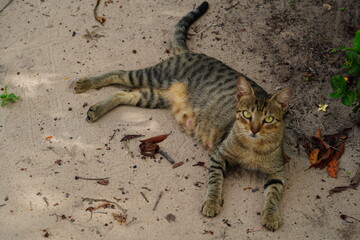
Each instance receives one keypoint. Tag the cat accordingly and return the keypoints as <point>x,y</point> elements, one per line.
<point>227,112</point>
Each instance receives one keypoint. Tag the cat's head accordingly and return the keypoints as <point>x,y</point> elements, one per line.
<point>259,118</point>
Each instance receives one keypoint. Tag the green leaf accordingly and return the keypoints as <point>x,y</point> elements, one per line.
<point>352,56</point>
<point>357,90</point>
<point>354,70</point>
<point>5,97</point>
<point>349,49</point>
<point>336,95</point>
<point>333,51</point>
<point>356,42</point>
<point>338,84</point>
<point>349,98</point>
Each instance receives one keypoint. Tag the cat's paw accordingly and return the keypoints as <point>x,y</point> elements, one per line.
<point>210,207</point>
<point>271,220</point>
<point>94,113</point>
<point>82,85</point>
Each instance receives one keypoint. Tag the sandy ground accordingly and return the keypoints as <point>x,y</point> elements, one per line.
<point>43,49</point>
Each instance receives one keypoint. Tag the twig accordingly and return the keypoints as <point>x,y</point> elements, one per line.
<point>146,188</point>
<point>46,201</point>
<point>157,201</point>
<point>165,155</point>
<point>111,138</point>
<point>104,200</point>
<point>345,217</point>
<point>6,6</point>
<point>2,205</point>
<point>93,179</point>
<point>232,6</point>
<point>132,220</point>
<point>104,204</point>
<point>57,216</point>
<point>101,20</point>
<point>103,212</point>
<point>144,196</point>
<point>249,230</point>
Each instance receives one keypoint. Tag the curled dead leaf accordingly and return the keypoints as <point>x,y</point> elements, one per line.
<point>318,133</point>
<point>103,182</point>
<point>156,139</point>
<point>314,155</point>
<point>200,164</point>
<point>332,167</point>
<point>100,19</point>
<point>149,147</point>
<point>104,205</point>
<point>178,164</point>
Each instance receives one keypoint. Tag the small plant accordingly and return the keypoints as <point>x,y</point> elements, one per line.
<point>347,87</point>
<point>6,97</point>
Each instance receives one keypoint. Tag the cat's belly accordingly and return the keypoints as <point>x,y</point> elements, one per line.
<point>203,129</point>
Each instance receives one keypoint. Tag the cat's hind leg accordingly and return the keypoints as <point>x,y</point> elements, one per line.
<point>152,77</point>
<point>84,84</point>
<point>145,97</point>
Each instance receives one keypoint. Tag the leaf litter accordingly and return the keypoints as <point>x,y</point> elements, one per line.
<point>149,147</point>
<point>326,151</point>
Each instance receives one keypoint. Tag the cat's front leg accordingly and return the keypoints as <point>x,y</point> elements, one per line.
<point>274,185</point>
<point>212,204</point>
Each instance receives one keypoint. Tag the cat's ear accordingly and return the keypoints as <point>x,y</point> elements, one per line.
<point>282,98</point>
<point>243,88</point>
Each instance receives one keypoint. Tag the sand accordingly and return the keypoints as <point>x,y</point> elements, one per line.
<point>45,141</point>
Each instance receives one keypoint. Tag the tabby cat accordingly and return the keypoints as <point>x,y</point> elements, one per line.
<point>227,112</point>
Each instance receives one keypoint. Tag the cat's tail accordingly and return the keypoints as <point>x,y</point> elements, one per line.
<point>179,41</point>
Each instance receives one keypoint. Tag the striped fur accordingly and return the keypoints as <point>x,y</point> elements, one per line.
<point>213,103</point>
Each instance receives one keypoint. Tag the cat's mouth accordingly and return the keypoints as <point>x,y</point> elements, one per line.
<point>255,136</point>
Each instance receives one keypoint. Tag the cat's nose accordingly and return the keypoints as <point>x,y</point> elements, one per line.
<point>254,130</point>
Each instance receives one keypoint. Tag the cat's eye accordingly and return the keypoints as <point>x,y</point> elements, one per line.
<point>269,119</point>
<point>246,114</point>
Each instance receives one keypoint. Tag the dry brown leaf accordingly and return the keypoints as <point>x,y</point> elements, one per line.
<point>314,155</point>
<point>100,19</point>
<point>156,139</point>
<point>149,147</point>
<point>320,143</point>
<point>178,164</point>
<point>103,182</point>
<point>332,167</point>
<point>104,204</point>
<point>201,164</point>
<point>334,139</point>
<point>318,133</point>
